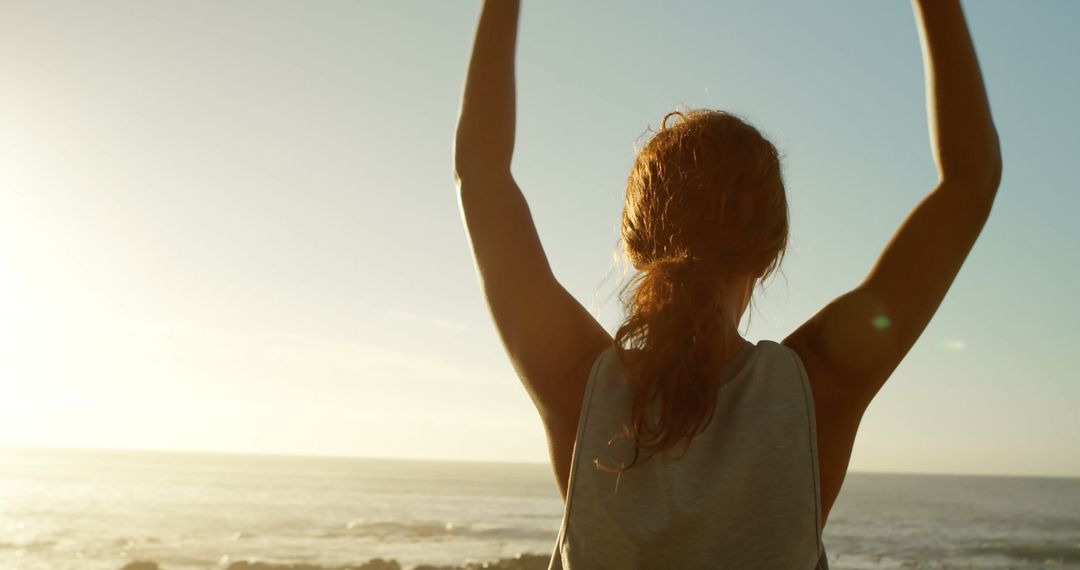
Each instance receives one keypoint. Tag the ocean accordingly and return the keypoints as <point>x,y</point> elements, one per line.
<point>90,510</point>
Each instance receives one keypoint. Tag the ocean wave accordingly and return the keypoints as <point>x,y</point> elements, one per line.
<point>28,545</point>
<point>519,562</point>
<point>384,530</point>
<point>1057,552</point>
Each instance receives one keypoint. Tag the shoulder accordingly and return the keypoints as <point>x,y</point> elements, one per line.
<point>773,351</point>
<point>823,384</point>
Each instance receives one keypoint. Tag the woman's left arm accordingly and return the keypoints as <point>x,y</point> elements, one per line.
<point>549,336</point>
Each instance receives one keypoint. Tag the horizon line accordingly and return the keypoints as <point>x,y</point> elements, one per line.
<point>293,455</point>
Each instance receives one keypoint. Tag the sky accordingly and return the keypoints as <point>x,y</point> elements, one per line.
<point>232,226</point>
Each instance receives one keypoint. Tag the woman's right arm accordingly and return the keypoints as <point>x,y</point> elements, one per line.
<point>853,344</point>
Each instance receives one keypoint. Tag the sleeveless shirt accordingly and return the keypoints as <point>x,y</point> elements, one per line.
<point>743,494</point>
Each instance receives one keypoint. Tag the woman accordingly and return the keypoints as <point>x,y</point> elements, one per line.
<point>677,443</point>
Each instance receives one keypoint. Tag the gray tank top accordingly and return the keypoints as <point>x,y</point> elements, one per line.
<point>745,494</point>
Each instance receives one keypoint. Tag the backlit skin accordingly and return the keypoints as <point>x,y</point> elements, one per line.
<point>849,348</point>
<point>858,335</point>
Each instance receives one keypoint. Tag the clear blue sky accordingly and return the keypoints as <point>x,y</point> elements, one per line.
<point>232,226</point>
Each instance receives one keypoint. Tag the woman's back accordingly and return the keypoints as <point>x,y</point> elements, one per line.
<point>744,494</point>
<point>705,220</point>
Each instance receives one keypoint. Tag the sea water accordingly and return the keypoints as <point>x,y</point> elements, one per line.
<point>67,509</point>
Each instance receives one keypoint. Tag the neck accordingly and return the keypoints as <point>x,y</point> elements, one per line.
<point>733,302</point>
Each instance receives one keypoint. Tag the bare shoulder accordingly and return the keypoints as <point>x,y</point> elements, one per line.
<point>837,420</point>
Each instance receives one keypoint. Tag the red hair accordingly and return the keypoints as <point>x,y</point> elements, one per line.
<point>705,202</point>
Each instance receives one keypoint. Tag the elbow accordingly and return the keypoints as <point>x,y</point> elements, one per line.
<point>456,172</point>
<point>465,165</point>
<point>990,177</point>
<point>995,170</point>
<point>468,169</point>
<point>462,162</point>
<point>993,182</point>
<point>474,156</point>
<point>979,179</point>
<point>976,188</point>
<point>993,166</point>
<point>463,169</point>
<point>458,164</point>
<point>466,158</point>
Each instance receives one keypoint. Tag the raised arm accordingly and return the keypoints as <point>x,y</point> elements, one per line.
<point>549,336</point>
<point>485,131</point>
<point>852,345</point>
<point>962,134</point>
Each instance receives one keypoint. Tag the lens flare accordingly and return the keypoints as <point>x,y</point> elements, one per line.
<point>881,322</point>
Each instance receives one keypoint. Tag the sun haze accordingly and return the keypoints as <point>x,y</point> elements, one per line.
<point>234,228</point>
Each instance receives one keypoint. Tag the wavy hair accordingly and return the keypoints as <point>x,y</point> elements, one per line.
<point>705,203</point>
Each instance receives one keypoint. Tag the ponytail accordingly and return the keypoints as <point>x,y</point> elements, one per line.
<point>676,324</point>
<point>705,210</point>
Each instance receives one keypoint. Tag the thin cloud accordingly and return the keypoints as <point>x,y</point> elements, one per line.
<point>432,321</point>
<point>954,345</point>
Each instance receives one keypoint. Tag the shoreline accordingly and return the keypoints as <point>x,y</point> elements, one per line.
<point>520,562</point>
